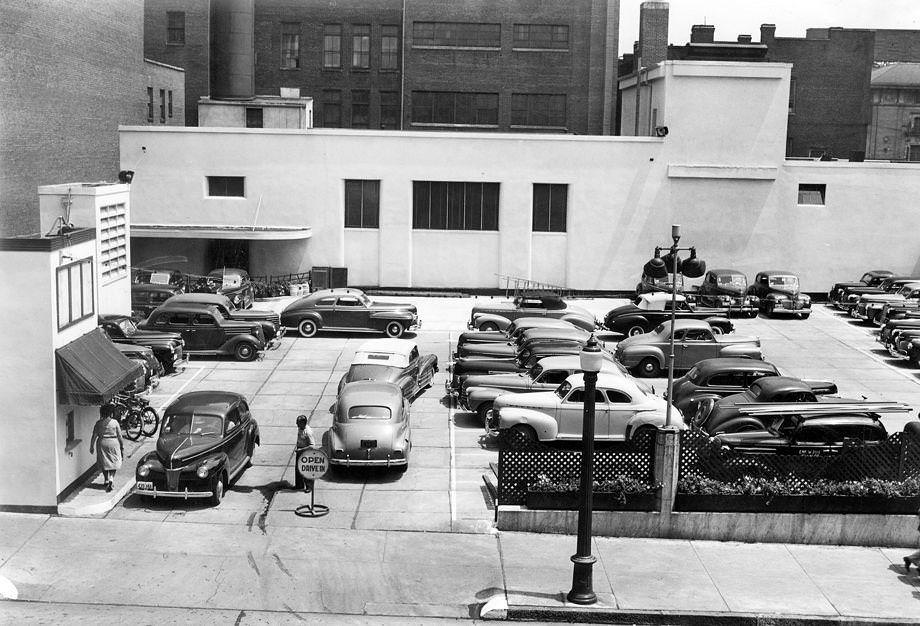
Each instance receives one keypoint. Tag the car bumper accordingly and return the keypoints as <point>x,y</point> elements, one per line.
<point>784,311</point>
<point>275,342</point>
<point>146,488</point>
<point>348,462</point>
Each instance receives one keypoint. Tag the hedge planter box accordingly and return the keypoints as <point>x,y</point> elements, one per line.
<point>571,501</point>
<point>797,504</point>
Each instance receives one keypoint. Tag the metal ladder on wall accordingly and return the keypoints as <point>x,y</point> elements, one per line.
<point>516,286</point>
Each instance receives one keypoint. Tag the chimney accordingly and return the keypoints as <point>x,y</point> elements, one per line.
<point>744,39</point>
<point>653,33</point>
<point>767,33</point>
<point>702,33</point>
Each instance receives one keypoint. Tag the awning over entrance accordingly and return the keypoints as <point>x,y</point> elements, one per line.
<point>90,370</point>
<point>221,231</point>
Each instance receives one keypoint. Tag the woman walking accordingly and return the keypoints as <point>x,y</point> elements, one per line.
<point>111,448</point>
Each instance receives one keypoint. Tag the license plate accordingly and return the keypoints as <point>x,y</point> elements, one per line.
<point>788,305</point>
<point>143,485</point>
<point>368,443</point>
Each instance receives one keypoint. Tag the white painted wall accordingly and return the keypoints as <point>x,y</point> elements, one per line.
<point>233,114</point>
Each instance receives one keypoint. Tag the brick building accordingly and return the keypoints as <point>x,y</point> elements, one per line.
<point>518,65</point>
<point>894,132</point>
<point>72,72</point>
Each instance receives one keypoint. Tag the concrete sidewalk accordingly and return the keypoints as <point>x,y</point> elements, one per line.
<point>90,498</point>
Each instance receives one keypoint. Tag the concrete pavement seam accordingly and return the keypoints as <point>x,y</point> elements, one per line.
<point>709,575</point>
<point>808,576</point>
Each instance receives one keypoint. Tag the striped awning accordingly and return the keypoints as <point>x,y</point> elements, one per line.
<point>90,370</point>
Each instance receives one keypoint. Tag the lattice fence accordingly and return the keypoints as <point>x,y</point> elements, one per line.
<point>521,461</point>
<point>896,459</point>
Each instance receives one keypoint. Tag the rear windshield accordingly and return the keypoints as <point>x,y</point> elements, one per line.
<point>369,413</point>
<point>734,280</point>
<point>370,372</point>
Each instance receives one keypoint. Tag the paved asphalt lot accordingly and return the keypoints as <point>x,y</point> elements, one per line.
<point>360,545</point>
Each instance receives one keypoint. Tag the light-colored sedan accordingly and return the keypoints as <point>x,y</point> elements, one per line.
<point>370,426</point>
<point>623,411</point>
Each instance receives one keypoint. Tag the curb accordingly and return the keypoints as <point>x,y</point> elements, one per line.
<point>71,509</point>
<point>686,618</point>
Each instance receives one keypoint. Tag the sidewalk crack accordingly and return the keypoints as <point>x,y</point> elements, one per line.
<point>812,580</point>
<point>709,575</point>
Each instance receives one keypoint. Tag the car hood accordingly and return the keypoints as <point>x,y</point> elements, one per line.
<point>253,314</point>
<point>541,400</point>
<point>483,336</point>
<point>494,350</point>
<point>792,293</point>
<point>349,435</point>
<point>881,297</point>
<point>180,449</point>
<point>729,290</point>
<point>733,339</point>
<point>463,366</point>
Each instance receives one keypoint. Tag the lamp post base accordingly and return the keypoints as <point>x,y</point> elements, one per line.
<point>582,580</point>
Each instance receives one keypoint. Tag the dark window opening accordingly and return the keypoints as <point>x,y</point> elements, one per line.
<point>332,108</point>
<point>290,45</point>
<point>456,35</point>
<point>541,36</point>
<point>389,110</point>
<point>170,103</point>
<point>360,108</point>
<point>162,106</point>
<point>253,117</point>
<point>150,104</point>
<point>362,203</point>
<point>175,28</point>
<point>812,194</point>
<point>231,186</point>
<point>535,109</point>
<point>332,46</point>
<point>454,205</point>
<point>550,206</point>
<point>451,107</point>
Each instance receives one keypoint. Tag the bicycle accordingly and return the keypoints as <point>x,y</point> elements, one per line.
<point>137,417</point>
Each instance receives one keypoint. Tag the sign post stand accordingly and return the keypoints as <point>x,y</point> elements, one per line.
<point>312,464</point>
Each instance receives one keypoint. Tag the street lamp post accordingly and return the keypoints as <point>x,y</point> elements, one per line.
<point>659,268</point>
<point>582,591</point>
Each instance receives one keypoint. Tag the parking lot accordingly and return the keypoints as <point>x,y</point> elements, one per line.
<point>443,488</point>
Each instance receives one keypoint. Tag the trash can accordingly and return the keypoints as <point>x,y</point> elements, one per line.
<point>338,277</point>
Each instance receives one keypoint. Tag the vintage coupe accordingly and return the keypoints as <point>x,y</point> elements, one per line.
<point>646,355</point>
<point>524,343</point>
<point>499,316</point>
<point>650,309</point>
<point>869,306</point>
<point>168,347</point>
<point>712,379</point>
<point>145,297</point>
<point>395,361</point>
<point>778,292</point>
<point>805,435</point>
<point>370,426</point>
<point>143,356</point>
<point>206,440</point>
<point>348,309</point>
<point>623,411</point>
<point>231,282</point>
<point>870,280</point>
<point>727,289</point>
<point>512,332</point>
<point>207,332</point>
<point>648,284</point>
<point>850,296</point>
<point>269,320</point>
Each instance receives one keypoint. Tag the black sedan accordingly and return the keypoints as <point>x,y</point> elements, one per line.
<point>168,347</point>
<point>206,440</point>
<point>650,309</point>
<point>348,309</point>
<point>806,435</point>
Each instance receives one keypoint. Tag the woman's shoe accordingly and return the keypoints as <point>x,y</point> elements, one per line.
<point>907,565</point>
<point>108,486</point>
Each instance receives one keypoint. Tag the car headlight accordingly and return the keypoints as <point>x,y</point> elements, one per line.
<point>806,298</point>
<point>143,470</point>
<point>203,471</point>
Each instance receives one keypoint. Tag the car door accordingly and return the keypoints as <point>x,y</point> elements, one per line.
<point>350,312</point>
<point>621,409</point>
<point>725,383</point>
<point>696,345</point>
<point>530,307</point>
<point>571,414</point>
<point>181,322</point>
<point>208,333</point>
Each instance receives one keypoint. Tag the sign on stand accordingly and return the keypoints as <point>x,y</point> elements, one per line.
<point>312,464</point>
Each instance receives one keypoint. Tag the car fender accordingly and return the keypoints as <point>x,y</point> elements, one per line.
<point>499,320</point>
<point>580,321</point>
<point>216,462</point>
<point>651,418</point>
<point>734,424</point>
<point>254,434</point>
<point>721,322</point>
<point>292,319</point>
<point>624,322</point>
<point>231,344</point>
<point>693,401</point>
<point>544,425</point>
<point>477,396</point>
<point>633,355</point>
<point>391,316</point>
<point>748,351</point>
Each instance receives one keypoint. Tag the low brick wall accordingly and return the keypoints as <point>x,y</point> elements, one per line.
<point>848,529</point>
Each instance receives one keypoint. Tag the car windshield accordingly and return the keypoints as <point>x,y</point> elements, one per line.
<point>733,280</point>
<point>660,328</point>
<point>787,282</point>
<point>127,326</point>
<point>563,390</point>
<point>367,301</point>
<point>535,371</point>
<point>905,291</point>
<point>369,413</point>
<point>365,371</point>
<point>195,424</point>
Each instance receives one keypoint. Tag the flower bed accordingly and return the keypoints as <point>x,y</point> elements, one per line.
<point>618,494</point>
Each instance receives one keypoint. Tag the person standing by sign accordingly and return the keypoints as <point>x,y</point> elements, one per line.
<point>305,439</point>
<point>111,447</point>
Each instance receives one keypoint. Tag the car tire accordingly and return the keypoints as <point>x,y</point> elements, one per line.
<point>307,328</point>
<point>805,316</point>
<point>526,431</point>
<point>394,329</point>
<point>489,326</point>
<point>634,330</point>
<point>245,351</point>
<point>649,368</point>
<point>218,485</point>
<point>482,411</point>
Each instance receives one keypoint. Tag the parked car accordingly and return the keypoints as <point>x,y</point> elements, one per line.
<point>650,309</point>
<point>170,277</point>
<point>779,293</point>
<point>269,320</point>
<point>370,426</point>
<point>647,284</point>
<point>623,411</point>
<point>498,316</point>
<point>168,347</point>
<point>348,309</point>
<point>851,295</point>
<point>478,392</point>
<point>870,305</point>
<point>395,361</point>
<point>145,297</point>
<point>524,342</point>
<point>153,369</point>
<point>805,435</point>
<point>898,311</point>
<point>231,282</point>
<point>206,440</point>
<point>727,289</point>
<point>207,332</point>
<point>871,279</point>
<point>513,331</point>
<point>712,379</point>
<point>646,355</point>
<point>890,327</point>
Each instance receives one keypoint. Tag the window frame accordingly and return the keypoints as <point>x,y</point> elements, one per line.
<point>64,276</point>
<point>464,109</point>
<point>150,117</point>
<point>290,53</point>
<point>368,211</point>
<point>387,32</point>
<point>225,180</point>
<point>529,43</point>
<point>389,110</point>
<point>361,47</point>
<point>261,117</point>
<point>169,104</point>
<point>172,28</point>
<point>162,106</point>
<point>537,108</point>
<point>332,33</point>
<point>552,190</point>
<point>466,35</point>
<point>456,205</point>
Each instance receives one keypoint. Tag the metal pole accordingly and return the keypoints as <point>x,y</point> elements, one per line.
<point>676,237</point>
<point>583,571</point>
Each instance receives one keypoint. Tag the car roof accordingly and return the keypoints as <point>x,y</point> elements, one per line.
<point>680,324</point>
<point>550,332</point>
<point>721,364</point>
<point>338,291</point>
<point>659,296</point>
<point>197,298</point>
<point>607,380</point>
<point>880,273</point>
<point>733,272</point>
<point>371,393</point>
<point>228,271</point>
<point>210,402</point>
<point>389,352</point>
<point>191,307</point>
<point>773,385</point>
<point>778,273</point>
<point>572,362</point>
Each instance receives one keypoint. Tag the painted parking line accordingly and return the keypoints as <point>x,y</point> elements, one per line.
<point>176,394</point>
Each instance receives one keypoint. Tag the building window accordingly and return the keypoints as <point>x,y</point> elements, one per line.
<point>389,47</point>
<point>71,431</point>
<point>361,46</point>
<point>389,110</point>
<point>332,46</point>
<point>74,292</point>
<point>113,244</point>
<point>454,206</point>
<point>162,106</point>
<point>150,104</point>
<point>791,96</point>
<point>175,28</point>
<point>537,109</point>
<point>169,104</point>
<point>332,108</point>
<point>226,186</point>
<point>812,194</point>
<point>456,35</point>
<point>541,36</point>
<point>360,108</point>
<point>913,152</point>
<point>362,203</point>
<point>290,45</point>
<point>913,126</point>
<point>253,117</point>
<point>550,204</point>
<point>452,107</point>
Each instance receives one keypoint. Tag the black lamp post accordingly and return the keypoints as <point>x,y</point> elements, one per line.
<point>583,570</point>
<point>659,267</point>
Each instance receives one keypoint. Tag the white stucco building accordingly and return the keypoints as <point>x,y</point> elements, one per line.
<point>419,209</point>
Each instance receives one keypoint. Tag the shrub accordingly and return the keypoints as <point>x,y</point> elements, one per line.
<point>749,485</point>
<point>619,486</point>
